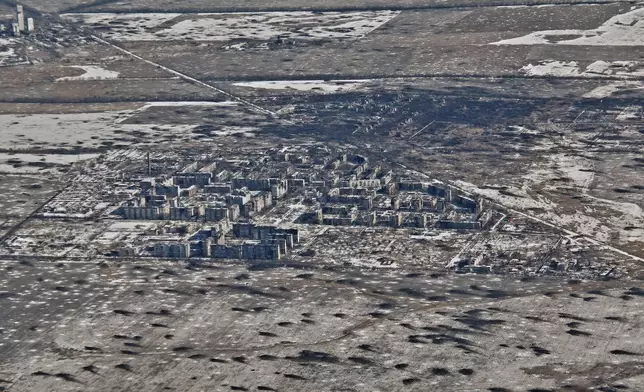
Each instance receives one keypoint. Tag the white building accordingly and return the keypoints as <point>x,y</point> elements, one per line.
<point>21,18</point>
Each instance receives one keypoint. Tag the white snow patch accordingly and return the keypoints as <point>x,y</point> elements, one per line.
<point>17,163</point>
<point>305,85</point>
<point>611,88</point>
<point>521,201</point>
<point>27,131</point>
<point>92,72</point>
<point>130,226</point>
<point>229,26</point>
<point>596,69</point>
<point>133,25</point>
<point>435,236</point>
<point>574,168</point>
<point>630,113</point>
<point>7,52</point>
<point>621,30</point>
<point>552,68</point>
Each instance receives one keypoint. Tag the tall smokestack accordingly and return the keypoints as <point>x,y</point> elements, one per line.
<point>149,166</point>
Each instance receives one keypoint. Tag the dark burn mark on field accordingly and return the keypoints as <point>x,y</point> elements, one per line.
<point>624,352</point>
<point>539,351</point>
<point>401,366</point>
<point>635,291</point>
<point>572,317</point>
<point>295,377</point>
<point>251,290</point>
<point>361,361</point>
<point>314,356</point>
<point>124,366</point>
<point>162,312</point>
<point>123,312</point>
<point>437,371</point>
<point>576,332</point>
<point>90,368</point>
<point>412,292</point>
<point>478,323</point>
<point>367,347</point>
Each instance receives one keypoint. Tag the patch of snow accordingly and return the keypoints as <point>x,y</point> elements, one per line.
<point>68,130</point>
<point>18,163</point>
<point>240,46</point>
<point>229,26</point>
<point>133,25</point>
<point>435,236</point>
<point>521,201</point>
<point>621,30</point>
<point>630,113</point>
<point>596,69</point>
<point>231,130</point>
<point>305,85</point>
<point>92,72</point>
<point>552,68</point>
<point>575,168</point>
<point>7,53</point>
<point>130,226</point>
<point>611,88</point>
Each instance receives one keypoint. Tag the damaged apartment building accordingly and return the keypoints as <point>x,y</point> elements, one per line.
<point>229,195</point>
<point>397,204</point>
<point>213,194</point>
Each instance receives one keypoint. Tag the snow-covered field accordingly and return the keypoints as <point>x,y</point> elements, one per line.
<point>18,163</point>
<point>7,51</point>
<point>92,72</point>
<point>599,68</point>
<point>600,219</point>
<point>305,85</point>
<point>611,88</point>
<point>230,26</point>
<point>94,129</point>
<point>621,30</point>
